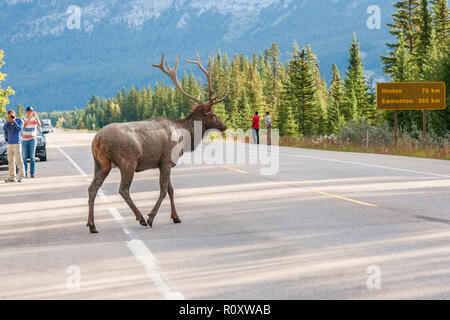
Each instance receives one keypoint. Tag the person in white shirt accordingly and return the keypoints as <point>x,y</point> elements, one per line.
<point>269,128</point>
<point>31,121</point>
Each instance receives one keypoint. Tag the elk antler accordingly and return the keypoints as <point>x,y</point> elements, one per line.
<point>207,73</point>
<point>221,99</point>
<point>212,94</point>
<point>172,73</point>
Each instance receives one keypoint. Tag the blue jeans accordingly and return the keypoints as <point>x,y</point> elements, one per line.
<point>29,150</point>
<point>255,134</point>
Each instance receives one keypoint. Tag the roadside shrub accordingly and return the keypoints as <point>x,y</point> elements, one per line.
<point>354,132</point>
<point>414,138</point>
<point>352,137</point>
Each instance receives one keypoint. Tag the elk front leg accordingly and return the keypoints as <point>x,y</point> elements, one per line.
<point>173,212</point>
<point>164,178</point>
<point>127,174</point>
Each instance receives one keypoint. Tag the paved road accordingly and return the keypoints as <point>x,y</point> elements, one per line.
<point>311,231</point>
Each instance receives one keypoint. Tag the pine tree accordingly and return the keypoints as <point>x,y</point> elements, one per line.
<point>254,89</point>
<point>220,81</point>
<point>303,90</point>
<point>241,113</point>
<point>441,21</point>
<point>286,121</point>
<point>437,68</point>
<point>424,35</point>
<point>403,69</point>
<point>147,103</point>
<point>356,87</point>
<point>236,88</point>
<point>114,111</point>
<point>335,100</point>
<point>160,99</point>
<point>273,84</point>
<point>406,25</point>
<point>321,93</point>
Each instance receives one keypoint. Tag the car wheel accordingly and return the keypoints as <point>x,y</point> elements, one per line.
<point>44,157</point>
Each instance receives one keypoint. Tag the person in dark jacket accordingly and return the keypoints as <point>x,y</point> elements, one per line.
<point>13,133</point>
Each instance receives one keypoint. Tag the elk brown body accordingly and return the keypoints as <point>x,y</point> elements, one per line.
<point>149,144</point>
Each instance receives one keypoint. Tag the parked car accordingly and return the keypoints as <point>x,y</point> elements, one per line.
<point>3,147</point>
<point>46,126</point>
<point>41,147</point>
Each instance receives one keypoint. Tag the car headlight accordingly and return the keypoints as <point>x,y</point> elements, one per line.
<point>39,141</point>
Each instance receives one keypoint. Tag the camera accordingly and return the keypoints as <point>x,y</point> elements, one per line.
<point>12,117</point>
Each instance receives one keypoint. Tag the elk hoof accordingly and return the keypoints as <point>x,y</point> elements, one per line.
<point>92,229</point>
<point>142,222</point>
<point>176,220</point>
<point>150,221</point>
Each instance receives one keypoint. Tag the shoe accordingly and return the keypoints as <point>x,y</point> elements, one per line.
<point>20,180</point>
<point>32,175</point>
<point>10,180</point>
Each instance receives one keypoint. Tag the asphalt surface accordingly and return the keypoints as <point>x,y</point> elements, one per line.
<point>313,230</point>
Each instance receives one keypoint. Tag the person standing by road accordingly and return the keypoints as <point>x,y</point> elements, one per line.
<point>269,128</point>
<point>29,140</point>
<point>13,132</point>
<point>255,128</point>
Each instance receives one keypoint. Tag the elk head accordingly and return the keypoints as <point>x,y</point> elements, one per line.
<point>201,111</point>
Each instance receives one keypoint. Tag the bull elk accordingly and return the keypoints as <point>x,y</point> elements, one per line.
<point>141,145</point>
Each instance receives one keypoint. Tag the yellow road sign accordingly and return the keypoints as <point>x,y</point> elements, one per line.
<point>411,96</point>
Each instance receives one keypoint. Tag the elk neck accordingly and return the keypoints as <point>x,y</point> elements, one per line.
<point>188,124</point>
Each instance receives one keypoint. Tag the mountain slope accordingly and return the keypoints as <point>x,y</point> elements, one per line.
<point>53,67</point>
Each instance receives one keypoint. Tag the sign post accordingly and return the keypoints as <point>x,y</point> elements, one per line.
<point>424,127</point>
<point>411,96</point>
<point>395,128</point>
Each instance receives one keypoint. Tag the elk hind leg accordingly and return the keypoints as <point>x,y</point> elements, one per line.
<point>100,174</point>
<point>173,211</point>
<point>164,178</point>
<point>127,174</point>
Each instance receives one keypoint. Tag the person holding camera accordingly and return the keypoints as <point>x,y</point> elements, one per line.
<point>29,139</point>
<point>13,136</point>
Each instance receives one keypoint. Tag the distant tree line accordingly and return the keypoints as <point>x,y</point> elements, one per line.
<point>296,94</point>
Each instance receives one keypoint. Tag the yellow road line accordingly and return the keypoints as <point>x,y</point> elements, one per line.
<point>343,198</point>
<point>233,169</point>
<point>315,191</point>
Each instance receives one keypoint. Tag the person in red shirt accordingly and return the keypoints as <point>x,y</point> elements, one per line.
<point>255,128</point>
